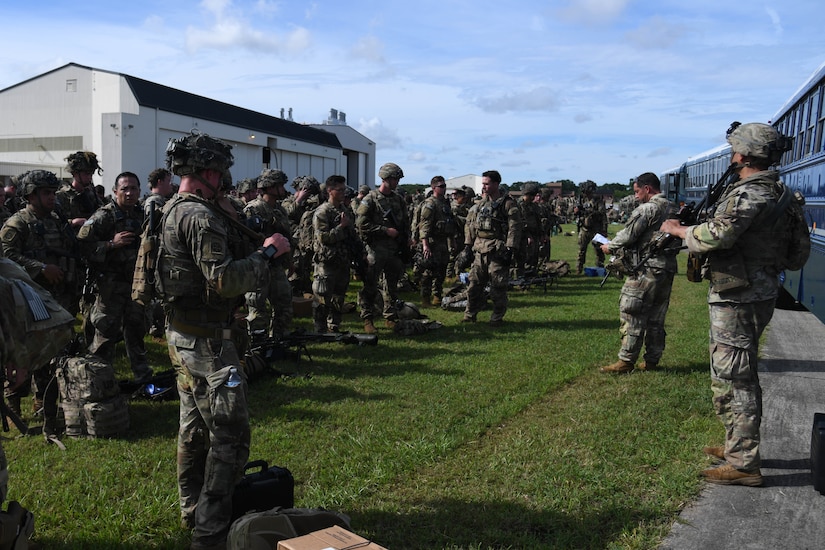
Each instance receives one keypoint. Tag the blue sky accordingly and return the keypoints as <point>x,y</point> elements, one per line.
<point>567,89</point>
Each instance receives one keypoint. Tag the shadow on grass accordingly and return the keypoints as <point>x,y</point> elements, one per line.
<point>456,524</point>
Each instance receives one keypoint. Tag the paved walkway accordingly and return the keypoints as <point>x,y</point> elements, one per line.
<point>786,513</point>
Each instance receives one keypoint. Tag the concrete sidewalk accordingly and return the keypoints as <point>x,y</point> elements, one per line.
<point>786,513</point>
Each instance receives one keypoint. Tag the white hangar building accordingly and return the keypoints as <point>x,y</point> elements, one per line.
<point>128,122</point>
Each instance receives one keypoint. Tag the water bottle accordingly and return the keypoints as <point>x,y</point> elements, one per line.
<point>234,379</point>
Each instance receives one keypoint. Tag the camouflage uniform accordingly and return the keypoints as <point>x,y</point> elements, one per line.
<point>300,221</point>
<point>331,262</point>
<point>72,203</point>
<point>493,229</point>
<point>34,242</point>
<point>738,234</point>
<point>383,252</point>
<point>531,237</point>
<point>645,295</point>
<point>593,219</point>
<point>114,313</point>
<point>437,225</point>
<point>204,268</point>
<point>278,290</point>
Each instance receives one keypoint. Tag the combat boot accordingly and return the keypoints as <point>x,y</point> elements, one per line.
<point>647,365</point>
<point>728,475</point>
<point>390,324</point>
<point>619,367</point>
<point>369,327</point>
<point>715,452</point>
<point>436,301</point>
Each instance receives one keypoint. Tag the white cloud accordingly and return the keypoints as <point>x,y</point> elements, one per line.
<point>776,20</point>
<point>541,98</point>
<point>593,11</point>
<point>375,130</point>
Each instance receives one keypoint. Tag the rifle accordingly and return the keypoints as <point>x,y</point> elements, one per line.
<point>620,264</point>
<point>263,353</point>
<point>403,237</point>
<point>9,414</point>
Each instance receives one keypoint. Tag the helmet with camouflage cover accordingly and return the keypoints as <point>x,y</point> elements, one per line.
<point>246,185</point>
<point>587,186</point>
<point>272,178</point>
<point>390,170</point>
<point>546,193</point>
<point>310,184</point>
<point>38,179</point>
<point>189,154</point>
<point>530,189</point>
<point>758,140</point>
<point>83,161</point>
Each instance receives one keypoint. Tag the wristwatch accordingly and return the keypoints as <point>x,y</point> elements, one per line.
<point>269,252</point>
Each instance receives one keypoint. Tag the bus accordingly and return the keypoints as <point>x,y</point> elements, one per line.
<point>802,118</point>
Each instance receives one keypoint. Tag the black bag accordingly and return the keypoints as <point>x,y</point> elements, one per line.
<point>263,490</point>
<point>818,452</point>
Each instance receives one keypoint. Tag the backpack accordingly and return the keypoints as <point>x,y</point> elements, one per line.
<point>795,243</point>
<point>143,280</point>
<point>263,530</point>
<point>34,326</point>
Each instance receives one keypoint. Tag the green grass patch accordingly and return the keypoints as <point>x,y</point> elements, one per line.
<point>465,437</point>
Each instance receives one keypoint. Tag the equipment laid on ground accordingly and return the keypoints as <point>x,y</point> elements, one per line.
<point>818,452</point>
<point>264,530</point>
<point>263,490</point>
<point>90,397</point>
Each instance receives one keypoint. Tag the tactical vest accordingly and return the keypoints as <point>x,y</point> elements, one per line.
<point>74,204</point>
<point>442,223</point>
<point>327,217</point>
<point>489,221</point>
<point>179,281</point>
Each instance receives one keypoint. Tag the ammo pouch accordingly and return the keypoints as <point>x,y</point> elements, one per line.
<point>727,270</point>
<point>694,267</point>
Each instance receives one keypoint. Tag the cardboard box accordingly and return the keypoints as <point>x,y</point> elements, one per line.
<point>333,538</point>
<point>301,307</point>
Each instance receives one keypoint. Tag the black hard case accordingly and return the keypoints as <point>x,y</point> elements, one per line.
<point>818,452</point>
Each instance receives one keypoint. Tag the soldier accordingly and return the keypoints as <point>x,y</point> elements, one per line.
<point>247,190</point>
<point>591,219</point>
<point>77,200</point>
<point>14,202</point>
<point>527,258</point>
<point>204,268</point>
<point>5,213</point>
<point>742,240</point>
<point>110,239</point>
<point>300,208</point>
<point>435,228</point>
<point>160,190</point>
<point>645,295</point>
<point>383,224</point>
<point>549,222</point>
<point>460,207</point>
<point>45,246</point>
<point>270,218</point>
<point>334,233</point>
<point>493,232</point>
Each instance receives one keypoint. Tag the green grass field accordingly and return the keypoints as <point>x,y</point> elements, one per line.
<point>465,437</point>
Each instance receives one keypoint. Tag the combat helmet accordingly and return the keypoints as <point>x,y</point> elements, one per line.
<point>530,189</point>
<point>189,154</point>
<point>588,186</point>
<point>245,185</point>
<point>271,178</point>
<point>38,179</point>
<point>390,170</point>
<point>83,161</point>
<point>758,140</point>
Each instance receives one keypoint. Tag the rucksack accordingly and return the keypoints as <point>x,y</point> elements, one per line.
<point>263,530</point>
<point>795,240</point>
<point>143,280</point>
<point>34,326</point>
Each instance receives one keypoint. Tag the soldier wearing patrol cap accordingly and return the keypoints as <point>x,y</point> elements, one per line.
<point>383,223</point>
<point>37,239</point>
<point>270,217</point>
<point>741,239</point>
<point>77,200</point>
<point>204,268</point>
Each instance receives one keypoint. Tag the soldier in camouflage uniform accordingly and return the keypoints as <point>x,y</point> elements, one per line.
<point>270,218</point>
<point>591,219</point>
<point>527,257</point>
<point>160,191</point>
<point>5,213</point>
<point>461,207</point>
<point>645,295</point>
<point>78,200</point>
<point>45,246</point>
<point>333,230</point>
<point>742,242</point>
<point>383,224</point>
<point>110,240</point>
<point>493,231</point>
<point>204,268</point>
<point>436,226</point>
